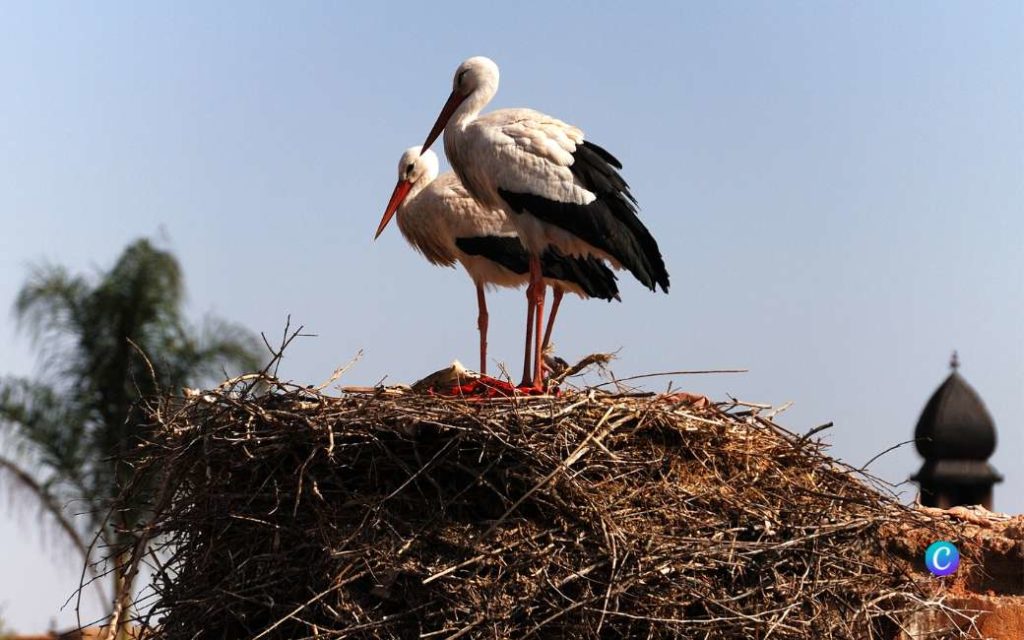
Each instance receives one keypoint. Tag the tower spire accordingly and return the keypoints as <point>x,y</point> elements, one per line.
<point>954,361</point>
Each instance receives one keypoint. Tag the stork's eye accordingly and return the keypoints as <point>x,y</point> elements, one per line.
<point>410,167</point>
<point>462,74</point>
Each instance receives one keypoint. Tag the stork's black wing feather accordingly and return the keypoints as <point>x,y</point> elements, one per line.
<point>591,275</point>
<point>609,223</point>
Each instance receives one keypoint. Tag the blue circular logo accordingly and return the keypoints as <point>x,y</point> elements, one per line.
<point>941,558</point>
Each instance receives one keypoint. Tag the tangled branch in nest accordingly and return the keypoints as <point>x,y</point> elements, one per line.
<point>290,514</point>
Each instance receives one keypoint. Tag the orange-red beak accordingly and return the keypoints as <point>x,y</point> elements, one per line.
<point>454,100</point>
<point>397,196</point>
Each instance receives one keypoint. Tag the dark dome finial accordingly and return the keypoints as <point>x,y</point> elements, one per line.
<point>955,423</point>
<point>955,435</point>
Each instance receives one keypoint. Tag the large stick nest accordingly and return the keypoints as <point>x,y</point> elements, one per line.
<point>290,514</point>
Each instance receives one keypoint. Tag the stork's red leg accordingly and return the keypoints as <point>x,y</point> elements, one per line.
<point>556,299</point>
<point>481,325</point>
<point>539,290</point>
<point>527,362</point>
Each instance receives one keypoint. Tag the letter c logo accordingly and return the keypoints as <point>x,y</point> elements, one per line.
<point>942,558</point>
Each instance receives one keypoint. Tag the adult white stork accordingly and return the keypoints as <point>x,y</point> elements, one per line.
<point>559,189</point>
<point>442,221</point>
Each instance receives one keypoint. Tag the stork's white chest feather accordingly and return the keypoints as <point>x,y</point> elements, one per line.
<point>432,219</point>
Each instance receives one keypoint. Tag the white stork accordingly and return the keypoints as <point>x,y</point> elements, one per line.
<point>443,222</point>
<point>558,189</point>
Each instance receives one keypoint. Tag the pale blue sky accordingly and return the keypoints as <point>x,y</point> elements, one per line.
<point>837,189</point>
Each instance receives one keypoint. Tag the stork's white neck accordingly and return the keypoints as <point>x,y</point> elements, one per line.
<point>474,103</point>
<point>422,183</point>
<point>483,78</point>
<point>414,191</point>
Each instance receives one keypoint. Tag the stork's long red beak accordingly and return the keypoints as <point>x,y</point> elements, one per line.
<point>397,196</point>
<point>454,100</point>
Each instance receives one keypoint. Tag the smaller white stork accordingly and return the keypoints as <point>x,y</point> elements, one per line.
<point>558,189</point>
<point>442,221</point>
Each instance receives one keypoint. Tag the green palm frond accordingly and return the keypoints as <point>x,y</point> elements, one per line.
<point>46,426</point>
<point>51,302</point>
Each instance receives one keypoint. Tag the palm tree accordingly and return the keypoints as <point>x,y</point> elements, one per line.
<point>106,343</point>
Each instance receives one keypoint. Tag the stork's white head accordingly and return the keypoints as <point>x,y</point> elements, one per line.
<point>416,170</point>
<point>417,165</point>
<point>475,73</point>
<point>475,83</point>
